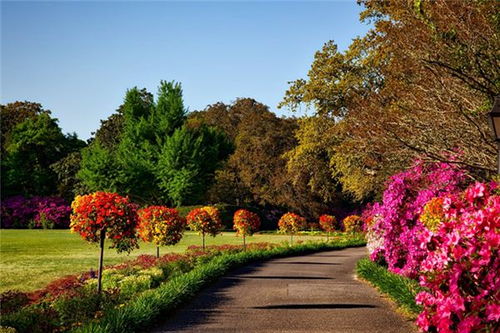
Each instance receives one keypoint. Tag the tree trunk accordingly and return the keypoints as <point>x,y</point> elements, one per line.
<point>244,243</point>
<point>157,252</point>
<point>99,275</point>
<point>203,241</point>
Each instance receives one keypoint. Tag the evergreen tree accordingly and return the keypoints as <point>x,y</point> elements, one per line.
<point>188,162</point>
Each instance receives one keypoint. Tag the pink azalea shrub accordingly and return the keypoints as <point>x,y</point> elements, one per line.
<point>462,264</point>
<point>48,212</point>
<point>392,231</point>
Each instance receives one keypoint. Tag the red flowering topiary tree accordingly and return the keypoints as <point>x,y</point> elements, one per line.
<point>100,215</point>
<point>205,220</point>
<point>291,223</point>
<point>160,225</point>
<point>328,224</point>
<point>245,223</point>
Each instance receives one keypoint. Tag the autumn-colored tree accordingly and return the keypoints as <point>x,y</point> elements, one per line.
<point>256,173</point>
<point>419,83</point>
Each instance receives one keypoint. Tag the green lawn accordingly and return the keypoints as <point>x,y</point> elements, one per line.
<point>29,259</point>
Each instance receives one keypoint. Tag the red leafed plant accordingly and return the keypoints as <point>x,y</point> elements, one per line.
<point>103,215</point>
<point>291,223</point>
<point>161,226</point>
<point>205,220</point>
<point>245,223</point>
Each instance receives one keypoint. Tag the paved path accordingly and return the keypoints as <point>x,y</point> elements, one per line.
<point>312,293</point>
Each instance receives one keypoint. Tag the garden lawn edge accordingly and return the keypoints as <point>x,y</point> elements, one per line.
<point>144,311</point>
<point>399,289</point>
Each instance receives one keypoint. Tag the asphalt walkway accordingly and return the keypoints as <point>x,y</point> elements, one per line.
<point>311,293</point>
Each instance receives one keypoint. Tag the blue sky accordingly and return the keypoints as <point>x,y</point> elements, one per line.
<point>78,58</point>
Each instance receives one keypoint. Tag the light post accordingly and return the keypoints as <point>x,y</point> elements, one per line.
<point>495,125</point>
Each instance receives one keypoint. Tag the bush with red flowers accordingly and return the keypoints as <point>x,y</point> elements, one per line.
<point>328,223</point>
<point>160,225</point>
<point>109,214</point>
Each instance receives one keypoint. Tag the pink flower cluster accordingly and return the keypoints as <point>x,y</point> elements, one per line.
<point>461,270</point>
<point>397,217</point>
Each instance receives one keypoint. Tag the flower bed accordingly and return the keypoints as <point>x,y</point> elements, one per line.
<point>36,212</point>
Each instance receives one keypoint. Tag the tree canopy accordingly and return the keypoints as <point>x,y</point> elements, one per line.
<point>418,84</point>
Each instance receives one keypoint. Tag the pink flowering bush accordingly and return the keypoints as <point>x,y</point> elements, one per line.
<point>462,264</point>
<point>38,212</point>
<point>393,231</point>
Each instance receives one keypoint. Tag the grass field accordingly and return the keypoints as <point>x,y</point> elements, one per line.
<point>29,259</point>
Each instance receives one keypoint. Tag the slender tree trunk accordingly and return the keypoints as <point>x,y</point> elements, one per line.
<point>327,236</point>
<point>157,252</point>
<point>203,241</point>
<point>99,275</point>
<point>244,243</point>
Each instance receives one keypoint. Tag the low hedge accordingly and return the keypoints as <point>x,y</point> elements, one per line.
<point>143,311</point>
<point>400,289</point>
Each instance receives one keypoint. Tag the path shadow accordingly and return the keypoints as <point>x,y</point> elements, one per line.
<point>200,308</point>
<point>285,277</point>
<point>328,255</point>
<point>316,306</point>
<point>305,263</point>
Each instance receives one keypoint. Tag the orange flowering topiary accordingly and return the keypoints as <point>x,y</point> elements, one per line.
<point>245,223</point>
<point>109,214</point>
<point>161,225</point>
<point>291,223</point>
<point>102,215</point>
<point>353,223</point>
<point>205,220</point>
<point>328,223</point>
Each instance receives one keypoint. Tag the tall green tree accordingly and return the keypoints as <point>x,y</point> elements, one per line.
<point>149,152</point>
<point>188,162</point>
<point>15,113</point>
<point>34,145</point>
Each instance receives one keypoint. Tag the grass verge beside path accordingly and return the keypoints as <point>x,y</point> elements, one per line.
<point>143,312</point>
<point>398,288</point>
<point>29,259</point>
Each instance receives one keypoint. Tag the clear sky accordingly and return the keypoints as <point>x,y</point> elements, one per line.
<point>78,58</point>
